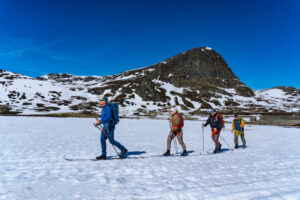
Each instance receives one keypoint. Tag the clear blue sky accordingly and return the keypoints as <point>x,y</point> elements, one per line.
<point>259,39</point>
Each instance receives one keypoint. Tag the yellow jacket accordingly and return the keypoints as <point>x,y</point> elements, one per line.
<point>240,121</point>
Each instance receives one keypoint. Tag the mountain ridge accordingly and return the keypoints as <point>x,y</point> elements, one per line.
<point>195,81</point>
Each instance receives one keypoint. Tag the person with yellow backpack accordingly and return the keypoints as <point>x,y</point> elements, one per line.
<point>238,125</point>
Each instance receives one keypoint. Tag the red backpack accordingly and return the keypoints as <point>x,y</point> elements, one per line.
<point>223,123</point>
<point>181,123</point>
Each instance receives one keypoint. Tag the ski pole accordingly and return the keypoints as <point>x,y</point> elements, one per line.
<point>203,138</point>
<point>175,144</point>
<point>102,129</point>
<point>174,140</point>
<point>226,142</point>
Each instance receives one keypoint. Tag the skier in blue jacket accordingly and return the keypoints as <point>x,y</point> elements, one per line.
<point>108,129</point>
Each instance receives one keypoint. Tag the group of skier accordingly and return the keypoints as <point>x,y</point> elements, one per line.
<point>215,120</point>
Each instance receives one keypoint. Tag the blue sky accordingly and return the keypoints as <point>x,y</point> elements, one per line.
<point>258,39</point>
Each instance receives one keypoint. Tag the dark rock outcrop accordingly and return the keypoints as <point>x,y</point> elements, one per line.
<point>198,69</point>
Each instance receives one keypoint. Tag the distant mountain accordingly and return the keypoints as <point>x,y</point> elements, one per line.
<point>195,81</point>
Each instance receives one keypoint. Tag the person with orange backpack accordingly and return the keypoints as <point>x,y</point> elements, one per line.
<point>216,123</point>
<point>177,124</point>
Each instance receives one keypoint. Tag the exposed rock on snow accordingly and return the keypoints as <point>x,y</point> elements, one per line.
<point>195,81</point>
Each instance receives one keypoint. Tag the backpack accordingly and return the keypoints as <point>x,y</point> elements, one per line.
<point>237,124</point>
<point>240,120</point>
<point>223,123</point>
<point>181,123</point>
<point>115,112</point>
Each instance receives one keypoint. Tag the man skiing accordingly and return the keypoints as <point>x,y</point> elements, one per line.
<point>108,129</point>
<point>216,123</point>
<point>176,123</point>
<point>238,125</point>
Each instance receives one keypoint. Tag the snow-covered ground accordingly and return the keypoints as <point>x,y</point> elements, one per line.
<point>32,165</point>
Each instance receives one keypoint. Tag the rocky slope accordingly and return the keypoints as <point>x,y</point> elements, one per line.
<point>195,81</point>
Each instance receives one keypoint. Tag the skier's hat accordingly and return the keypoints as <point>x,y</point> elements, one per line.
<point>174,110</point>
<point>104,98</point>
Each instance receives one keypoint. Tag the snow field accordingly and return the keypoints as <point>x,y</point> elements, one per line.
<point>32,164</point>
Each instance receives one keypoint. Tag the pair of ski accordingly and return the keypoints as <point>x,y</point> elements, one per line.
<point>118,158</point>
<point>94,159</point>
<point>139,157</point>
<point>153,156</point>
<point>210,152</point>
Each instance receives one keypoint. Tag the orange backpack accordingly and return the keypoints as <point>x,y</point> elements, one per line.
<point>223,123</point>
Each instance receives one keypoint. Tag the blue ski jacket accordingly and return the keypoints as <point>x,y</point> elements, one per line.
<point>106,115</point>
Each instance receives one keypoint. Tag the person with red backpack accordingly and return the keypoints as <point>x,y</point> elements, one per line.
<point>176,122</point>
<point>216,123</point>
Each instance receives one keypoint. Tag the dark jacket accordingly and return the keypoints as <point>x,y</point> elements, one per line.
<point>214,122</point>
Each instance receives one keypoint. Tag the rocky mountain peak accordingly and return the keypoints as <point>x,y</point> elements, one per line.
<point>197,67</point>
<point>194,81</point>
<point>200,68</point>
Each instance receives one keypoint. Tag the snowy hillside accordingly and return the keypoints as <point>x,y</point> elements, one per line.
<point>38,96</point>
<point>195,81</point>
<point>284,98</point>
<point>31,95</point>
<point>33,166</point>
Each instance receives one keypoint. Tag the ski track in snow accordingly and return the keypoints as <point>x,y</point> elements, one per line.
<point>32,165</point>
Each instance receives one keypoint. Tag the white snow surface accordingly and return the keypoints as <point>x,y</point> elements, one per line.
<point>32,165</point>
<point>274,92</point>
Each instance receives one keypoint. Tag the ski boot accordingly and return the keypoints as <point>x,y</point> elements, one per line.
<point>101,157</point>
<point>167,153</point>
<point>216,150</point>
<point>123,152</point>
<point>184,153</point>
<point>220,147</point>
<point>236,146</point>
